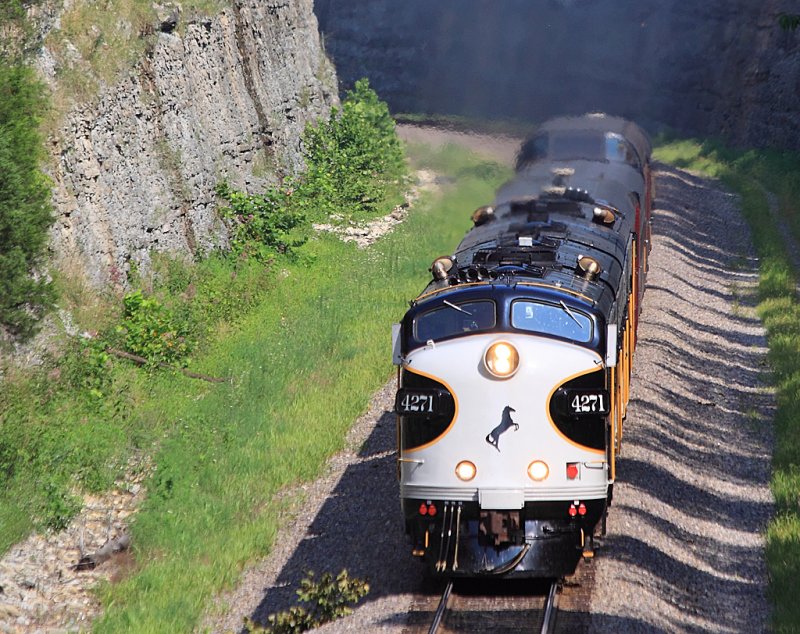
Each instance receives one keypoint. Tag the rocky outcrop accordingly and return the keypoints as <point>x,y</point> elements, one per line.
<point>721,67</point>
<point>224,97</point>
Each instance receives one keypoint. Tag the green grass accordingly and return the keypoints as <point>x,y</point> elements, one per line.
<point>304,363</point>
<point>305,341</point>
<point>751,174</point>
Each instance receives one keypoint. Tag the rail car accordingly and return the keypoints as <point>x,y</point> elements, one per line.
<point>515,360</point>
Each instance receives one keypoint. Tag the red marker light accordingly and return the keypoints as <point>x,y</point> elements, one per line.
<point>572,470</point>
<point>573,511</point>
<point>582,509</point>
<point>432,510</point>
<point>423,510</point>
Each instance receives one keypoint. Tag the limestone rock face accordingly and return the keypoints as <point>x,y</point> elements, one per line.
<point>719,67</point>
<point>214,98</point>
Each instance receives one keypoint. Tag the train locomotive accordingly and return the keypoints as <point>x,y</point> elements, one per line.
<point>514,363</point>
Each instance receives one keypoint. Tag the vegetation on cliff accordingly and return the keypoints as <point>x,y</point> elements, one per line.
<point>25,209</point>
<point>354,169</point>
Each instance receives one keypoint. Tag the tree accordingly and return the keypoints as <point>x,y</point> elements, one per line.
<point>25,207</point>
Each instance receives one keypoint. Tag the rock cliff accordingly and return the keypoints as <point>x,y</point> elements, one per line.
<point>721,67</point>
<point>222,96</point>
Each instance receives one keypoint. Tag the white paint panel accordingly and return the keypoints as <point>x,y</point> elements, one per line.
<point>611,346</point>
<point>501,499</point>
<point>481,399</point>
<point>397,357</point>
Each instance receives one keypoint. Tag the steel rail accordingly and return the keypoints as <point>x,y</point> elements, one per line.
<point>441,608</point>
<point>550,609</point>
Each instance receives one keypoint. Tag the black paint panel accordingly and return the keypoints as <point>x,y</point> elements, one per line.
<point>589,431</point>
<point>420,429</point>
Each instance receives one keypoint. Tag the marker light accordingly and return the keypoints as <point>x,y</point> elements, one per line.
<point>501,359</point>
<point>538,470</point>
<point>427,509</point>
<point>572,470</point>
<point>466,470</point>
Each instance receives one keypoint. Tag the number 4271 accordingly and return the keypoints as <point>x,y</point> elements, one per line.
<point>587,403</point>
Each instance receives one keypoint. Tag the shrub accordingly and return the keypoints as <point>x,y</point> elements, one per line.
<point>266,223</point>
<point>151,331</point>
<point>327,599</point>
<point>354,167</point>
<point>354,159</point>
<point>25,209</point>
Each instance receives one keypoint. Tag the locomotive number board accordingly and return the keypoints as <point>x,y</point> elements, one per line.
<point>586,402</point>
<point>417,402</point>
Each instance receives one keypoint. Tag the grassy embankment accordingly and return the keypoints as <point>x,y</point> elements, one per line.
<point>305,363</point>
<point>752,174</point>
<point>304,354</point>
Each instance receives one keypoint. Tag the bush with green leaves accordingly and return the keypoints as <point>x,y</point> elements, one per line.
<point>25,208</point>
<point>150,330</point>
<point>354,160</point>
<point>355,166</point>
<point>264,224</point>
<point>325,600</point>
<point>789,21</point>
<point>86,365</point>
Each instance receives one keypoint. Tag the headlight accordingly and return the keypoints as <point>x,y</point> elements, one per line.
<point>466,470</point>
<point>501,359</point>
<point>538,470</point>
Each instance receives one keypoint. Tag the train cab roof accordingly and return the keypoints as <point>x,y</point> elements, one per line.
<point>565,242</point>
<point>602,181</point>
<point>593,137</point>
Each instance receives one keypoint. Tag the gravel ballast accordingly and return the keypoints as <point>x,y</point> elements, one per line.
<point>685,548</point>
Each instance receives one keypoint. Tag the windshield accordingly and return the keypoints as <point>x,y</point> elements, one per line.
<point>578,145</point>
<point>551,319</point>
<point>454,319</point>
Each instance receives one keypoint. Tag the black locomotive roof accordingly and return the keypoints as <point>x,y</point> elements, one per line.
<point>538,242</point>
<point>600,122</point>
<point>548,221</point>
<point>611,182</point>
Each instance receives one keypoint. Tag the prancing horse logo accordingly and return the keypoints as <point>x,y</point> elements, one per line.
<point>505,423</point>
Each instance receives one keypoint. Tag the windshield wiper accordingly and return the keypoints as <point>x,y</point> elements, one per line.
<point>459,309</point>
<point>569,312</point>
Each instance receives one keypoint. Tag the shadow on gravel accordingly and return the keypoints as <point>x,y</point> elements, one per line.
<point>610,623</point>
<point>685,541</point>
<point>359,528</point>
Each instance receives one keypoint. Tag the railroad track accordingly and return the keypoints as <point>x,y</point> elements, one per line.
<point>539,618</point>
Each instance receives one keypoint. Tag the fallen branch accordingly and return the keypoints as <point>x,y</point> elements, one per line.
<point>142,361</point>
<point>90,562</point>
